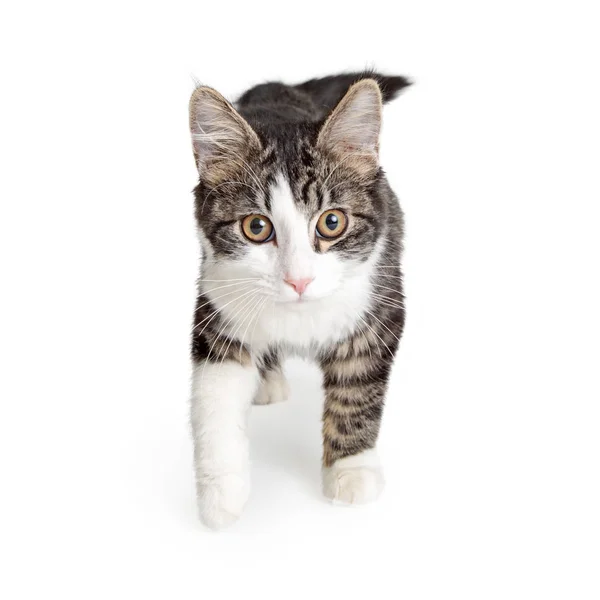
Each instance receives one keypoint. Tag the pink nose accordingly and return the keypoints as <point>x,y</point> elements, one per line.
<point>299,284</point>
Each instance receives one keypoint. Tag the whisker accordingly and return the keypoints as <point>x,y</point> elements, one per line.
<point>263,306</point>
<point>220,287</point>
<point>212,316</point>
<point>258,306</point>
<point>382,323</point>
<point>390,301</point>
<point>361,329</point>
<point>223,296</point>
<point>220,331</point>
<point>247,311</point>
<point>388,348</point>
<point>372,330</point>
<point>385,287</point>
<point>240,279</point>
<point>386,304</point>
<point>226,304</point>
<point>377,335</point>
<point>394,306</point>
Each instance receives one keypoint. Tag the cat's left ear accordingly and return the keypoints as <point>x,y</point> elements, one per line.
<point>351,132</point>
<point>220,135</point>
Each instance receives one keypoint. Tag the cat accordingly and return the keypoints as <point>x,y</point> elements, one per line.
<point>301,238</point>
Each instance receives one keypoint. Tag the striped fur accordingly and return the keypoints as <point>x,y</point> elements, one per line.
<point>290,153</point>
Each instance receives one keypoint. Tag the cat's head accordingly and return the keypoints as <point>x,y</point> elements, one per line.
<point>295,209</point>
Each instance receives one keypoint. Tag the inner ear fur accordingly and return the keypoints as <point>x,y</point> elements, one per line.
<point>351,132</point>
<point>221,138</point>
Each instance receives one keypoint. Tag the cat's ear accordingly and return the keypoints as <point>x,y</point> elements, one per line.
<point>351,133</point>
<point>220,135</point>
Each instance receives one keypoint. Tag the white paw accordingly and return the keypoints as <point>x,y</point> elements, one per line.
<point>354,480</point>
<point>273,389</point>
<point>221,499</point>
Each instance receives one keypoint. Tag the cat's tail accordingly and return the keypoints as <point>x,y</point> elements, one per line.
<point>326,92</point>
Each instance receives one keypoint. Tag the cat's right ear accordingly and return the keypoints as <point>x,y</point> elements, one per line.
<point>220,135</point>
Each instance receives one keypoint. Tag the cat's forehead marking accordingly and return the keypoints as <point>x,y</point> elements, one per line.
<point>283,205</point>
<point>291,225</point>
<point>290,221</point>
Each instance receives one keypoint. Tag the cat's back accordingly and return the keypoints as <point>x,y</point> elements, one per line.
<point>277,102</point>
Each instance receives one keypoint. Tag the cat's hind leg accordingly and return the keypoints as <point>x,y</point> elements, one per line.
<point>273,385</point>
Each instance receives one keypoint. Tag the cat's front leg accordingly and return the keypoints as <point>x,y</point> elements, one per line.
<point>355,377</point>
<point>222,393</point>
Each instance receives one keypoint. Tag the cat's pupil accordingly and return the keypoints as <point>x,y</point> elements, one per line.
<point>331,221</point>
<point>257,225</point>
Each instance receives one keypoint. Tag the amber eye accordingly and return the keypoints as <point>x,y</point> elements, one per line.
<point>331,224</point>
<point>258,228</point>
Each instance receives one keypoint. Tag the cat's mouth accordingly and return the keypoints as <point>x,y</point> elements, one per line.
<point>300,302</point>
<point>295,301</point>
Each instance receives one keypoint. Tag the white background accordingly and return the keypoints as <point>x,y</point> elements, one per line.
<point>490,438</point>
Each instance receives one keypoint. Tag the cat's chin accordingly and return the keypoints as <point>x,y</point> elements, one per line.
<point>298,303</point>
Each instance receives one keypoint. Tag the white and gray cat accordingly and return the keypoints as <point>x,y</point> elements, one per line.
<point>301,238</point>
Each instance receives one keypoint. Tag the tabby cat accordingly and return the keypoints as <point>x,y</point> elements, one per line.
<point>301,238</point>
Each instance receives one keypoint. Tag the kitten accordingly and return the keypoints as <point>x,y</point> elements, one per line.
<point>301,238</point>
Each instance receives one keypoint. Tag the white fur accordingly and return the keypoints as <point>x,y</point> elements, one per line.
<point>297,258</point>
<point>355,479</point>
<point>273,389</point>
<point>330,306</point>
<point>221,396</point>
<point>257,307</point>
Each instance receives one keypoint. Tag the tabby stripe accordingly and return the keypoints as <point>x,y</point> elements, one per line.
<point>357,399</point>
<point>378,374</point>
<point>304,193</point>
<point>227,223</point>
<point>372,219</point>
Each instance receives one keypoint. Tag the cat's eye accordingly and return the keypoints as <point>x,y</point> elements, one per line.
<point>331,224</point>
<point>258,228</point>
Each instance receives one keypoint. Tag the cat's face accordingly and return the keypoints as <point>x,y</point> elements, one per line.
<point>296,249</point>
<point>295,215</point>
